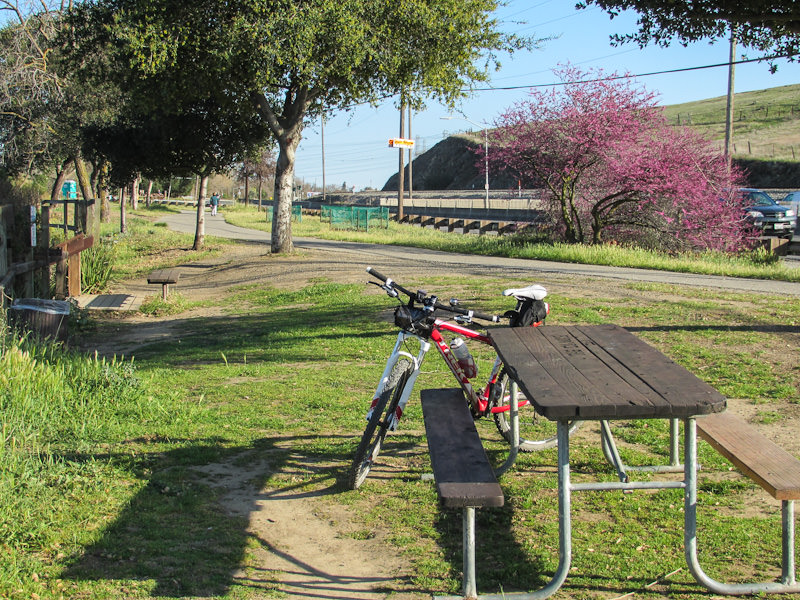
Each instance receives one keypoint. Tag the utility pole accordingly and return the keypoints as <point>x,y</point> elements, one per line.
<point>410,158</point>
<point>322,132</point>
<point>729,106</point>
<point>401,169</point>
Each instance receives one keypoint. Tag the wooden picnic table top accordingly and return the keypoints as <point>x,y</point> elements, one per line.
<point>600,372</point>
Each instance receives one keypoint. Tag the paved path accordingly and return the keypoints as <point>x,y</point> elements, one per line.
<point>216,226</point>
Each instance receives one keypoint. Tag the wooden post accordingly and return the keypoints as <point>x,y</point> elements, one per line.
<point>44,247</point>
<point>74,274</point>
<point>61,277</point>
<point>28,276</point>
<point>68,269</point>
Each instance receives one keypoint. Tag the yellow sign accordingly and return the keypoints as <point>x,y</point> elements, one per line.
<point>401,143</point>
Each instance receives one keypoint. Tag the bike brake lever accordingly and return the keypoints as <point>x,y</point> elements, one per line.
<point>390,291</point>
<point>430,304</point>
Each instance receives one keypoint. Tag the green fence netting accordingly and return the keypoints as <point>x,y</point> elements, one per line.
<point>355,217</point>
<point>297,213</point>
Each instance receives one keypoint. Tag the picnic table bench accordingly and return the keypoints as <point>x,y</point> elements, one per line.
<point>775,470</point>
<point>464,477</point>
<point>165,277</point>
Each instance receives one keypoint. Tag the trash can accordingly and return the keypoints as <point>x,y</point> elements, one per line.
<point>43,318</point>
<point>69,189</point>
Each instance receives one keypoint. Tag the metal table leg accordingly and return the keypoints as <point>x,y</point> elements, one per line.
<point>514,415</point>
<point>787,583</point>
<point>564,526</point>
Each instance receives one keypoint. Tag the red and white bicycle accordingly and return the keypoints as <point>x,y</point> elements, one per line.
<point>418,322</point>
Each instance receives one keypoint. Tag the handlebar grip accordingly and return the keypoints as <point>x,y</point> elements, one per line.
<point>376,274</point>
<point>486,317</point>
<point>391,282</point>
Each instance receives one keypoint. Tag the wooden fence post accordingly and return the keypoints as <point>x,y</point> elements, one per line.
<point>44,248</point>
<point>61,277</point>
<point>3,257</point>
<point>74,274</point>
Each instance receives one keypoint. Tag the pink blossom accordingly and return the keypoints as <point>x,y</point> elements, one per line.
<point>612,168</point>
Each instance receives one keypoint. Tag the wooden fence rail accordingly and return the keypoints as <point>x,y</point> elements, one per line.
<point>21,264</point>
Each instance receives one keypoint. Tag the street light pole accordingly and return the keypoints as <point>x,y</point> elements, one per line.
<point>485,152</point>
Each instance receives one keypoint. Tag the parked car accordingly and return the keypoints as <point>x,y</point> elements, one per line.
<point>792,200</point>
<point>767,215</point>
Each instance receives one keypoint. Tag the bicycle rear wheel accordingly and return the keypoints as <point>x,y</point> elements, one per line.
<point>535,432</point>
<point>378,425</point>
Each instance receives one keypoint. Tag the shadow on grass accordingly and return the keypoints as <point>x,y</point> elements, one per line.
<point>286,335</point>
<point>187,530</point>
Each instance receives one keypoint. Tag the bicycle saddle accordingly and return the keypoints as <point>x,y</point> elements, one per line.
<point>534,292</point>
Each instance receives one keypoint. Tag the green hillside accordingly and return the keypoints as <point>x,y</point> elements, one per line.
<point>766,123</point>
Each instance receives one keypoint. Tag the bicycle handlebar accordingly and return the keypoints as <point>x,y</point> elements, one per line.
<point>391,284</point>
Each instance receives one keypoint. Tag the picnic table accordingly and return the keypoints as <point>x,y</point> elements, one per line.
<point>603,373</point>
<point>164,277</point>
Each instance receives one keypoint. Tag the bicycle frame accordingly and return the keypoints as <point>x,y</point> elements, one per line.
<point>479,401</point>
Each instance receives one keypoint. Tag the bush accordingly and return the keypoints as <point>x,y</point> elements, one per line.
<point>97,265</point>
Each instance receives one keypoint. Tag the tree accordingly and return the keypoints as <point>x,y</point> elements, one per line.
<point>762,24</point>
<point>42,106</point>
<point>297,59</point>
<point>28,82</point>
<point>170,121</point>
<point>612,167</point>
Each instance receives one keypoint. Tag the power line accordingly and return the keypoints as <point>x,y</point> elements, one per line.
<point>628,76</point>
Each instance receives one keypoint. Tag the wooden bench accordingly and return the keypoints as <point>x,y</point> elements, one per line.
<point>165,277</point>
<point>774,469</point>
<point>464,477</point>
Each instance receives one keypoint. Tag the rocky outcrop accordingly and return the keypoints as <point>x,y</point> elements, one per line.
<point>452,164</point>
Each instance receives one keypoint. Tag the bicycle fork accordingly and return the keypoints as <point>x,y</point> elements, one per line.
<point>395,356</point>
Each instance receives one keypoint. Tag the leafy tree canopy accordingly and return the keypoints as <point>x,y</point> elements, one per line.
<point>770,26</point>
<point>297,59</point>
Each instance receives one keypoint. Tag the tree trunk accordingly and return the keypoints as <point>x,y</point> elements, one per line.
<point>103,192</point>
<point>246,188</point>
<point>85,212</point>
<point>288,131</point>
<point>284,190</point>
<point>149,193</point>
<point>200,230</point>
<point>135,192</point>
<point>61,175</point>
<point>123,225</point>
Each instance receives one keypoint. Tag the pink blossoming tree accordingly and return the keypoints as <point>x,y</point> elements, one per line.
<point>613,169</point>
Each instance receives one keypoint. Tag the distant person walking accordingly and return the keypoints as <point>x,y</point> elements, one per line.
<point>214,203</point>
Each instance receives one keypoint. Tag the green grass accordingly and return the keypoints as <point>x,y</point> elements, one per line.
<point>101,496</point>
<point>766,123</point>
<point>750,265</point>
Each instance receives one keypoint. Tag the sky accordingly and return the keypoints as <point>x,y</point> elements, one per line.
<point>356,150</point>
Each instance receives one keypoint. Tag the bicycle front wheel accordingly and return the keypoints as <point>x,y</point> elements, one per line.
<point>379,422</point>
<point>535,432</point>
